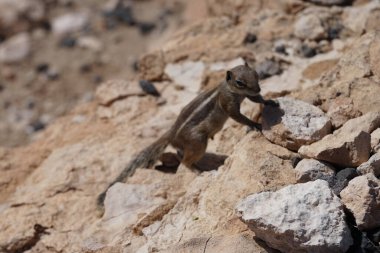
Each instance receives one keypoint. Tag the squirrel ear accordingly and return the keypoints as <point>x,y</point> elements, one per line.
<point>246,64</point>
<point>229,76</point>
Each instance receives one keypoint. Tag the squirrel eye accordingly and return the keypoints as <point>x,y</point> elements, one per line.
<point>240,84</point>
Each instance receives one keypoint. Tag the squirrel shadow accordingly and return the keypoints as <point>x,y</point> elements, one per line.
<point>273,116</point>
<point>210,161</point>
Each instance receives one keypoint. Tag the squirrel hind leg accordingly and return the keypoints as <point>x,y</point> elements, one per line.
<point>194,152</point>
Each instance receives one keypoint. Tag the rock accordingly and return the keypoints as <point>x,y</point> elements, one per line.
<point>69,23</point>
<point>127,203</point>
<point>374,57</point>
<point>91,43</point>
<point>187,74</point>
<point>342,178</point>
<point>310,170</point>
<point>113,90</point>
<point>355,63</point>
<point>151,66</point>
<point>348,146</point>
<point>362,198</point>
<point>20,16</point>
<point>149,88</point>
<point>203,211</point>
<point>294,123</point>
<point>298,218</point>
<point>250,38</point>
<point>309,27</point>
<point>268,68</point>
<point>15,49</point>
<point>328,2</point>
<point>68,41</point>
<point>341,110</point>
<point>307,51</point>
<point>240,243</point>
<point>375,140</point>
<point>371,166</point>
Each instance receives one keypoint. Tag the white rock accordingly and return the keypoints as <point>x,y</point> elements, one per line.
<point>294,123</point>
<point>188,74</point>
<point>15,49</point>
<point>371,166</point>
<point>71,22</point>
<point>362,198</point>
<point>298,218</point>
<point>311,169</point>
<point>309,27</point>
<point>91,43</point>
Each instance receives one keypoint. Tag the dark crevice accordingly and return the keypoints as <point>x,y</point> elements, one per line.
<point>27,243</point>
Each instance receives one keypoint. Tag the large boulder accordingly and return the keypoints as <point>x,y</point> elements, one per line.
<point>298,218</point>
<point>348,146</point>
<point>294,123</point>
<point>362,198</point>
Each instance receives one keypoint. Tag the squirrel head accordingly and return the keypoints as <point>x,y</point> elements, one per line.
<point>243,80</point>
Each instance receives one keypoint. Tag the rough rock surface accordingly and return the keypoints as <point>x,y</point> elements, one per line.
<point>341,110</point>
<point>309,27</point>
<point>347,146</point>
<point>294,123</point>
<point>371,166</point>
<point>48,189</point>
<point>375,140</point>
<point>15,49</point>
<point>298,218</point>
<point>362,198</point>
<point>311,169</point>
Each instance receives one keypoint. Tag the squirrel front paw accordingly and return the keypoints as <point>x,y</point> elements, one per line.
<point>256,127</point>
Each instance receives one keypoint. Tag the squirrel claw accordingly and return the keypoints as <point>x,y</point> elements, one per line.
<point>254,128</point>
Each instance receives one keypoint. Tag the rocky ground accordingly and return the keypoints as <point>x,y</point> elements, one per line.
<point>309,182</point>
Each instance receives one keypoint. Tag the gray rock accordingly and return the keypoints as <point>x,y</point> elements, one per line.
<point>298,218</point>
<point>268,68</point>
<point>371,166</point>
<point>311,169</point>
<point>15,49</point>
<point>342,178</point>
<point>362,198</point>
<point>294,123</point>
<point>348,146</point>
<point>309,27</point>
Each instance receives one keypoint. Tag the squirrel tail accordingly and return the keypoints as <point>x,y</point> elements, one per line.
<point>144,159</point>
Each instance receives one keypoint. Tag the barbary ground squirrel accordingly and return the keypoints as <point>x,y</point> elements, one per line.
<point>200,120</point>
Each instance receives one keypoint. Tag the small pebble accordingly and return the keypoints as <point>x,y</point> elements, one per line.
<point>149,88</point>
<point>42,68</point>
<point>307,51</point>
<point>37,125</point>
<point>281,49</point>
<point>68,42</point>
<point>146,27</point>
<point>250,38</point>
